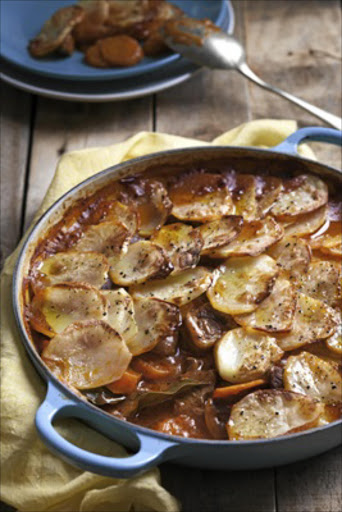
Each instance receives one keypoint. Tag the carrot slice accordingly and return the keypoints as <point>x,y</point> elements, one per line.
<point>153,371</point>
<point>237,388</point>
<point>127,384</point>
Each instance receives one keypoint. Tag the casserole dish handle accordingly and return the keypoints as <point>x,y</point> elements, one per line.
<point>151,450</point>
<point>314,133</point>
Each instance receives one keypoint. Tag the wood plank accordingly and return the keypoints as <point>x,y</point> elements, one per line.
<point>204,107</point>
<point>62,127</point>
<point>15,137</point>
<point>311,486</point>
<point>284,47</point>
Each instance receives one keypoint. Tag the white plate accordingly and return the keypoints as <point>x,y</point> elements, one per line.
<point>117,90</point>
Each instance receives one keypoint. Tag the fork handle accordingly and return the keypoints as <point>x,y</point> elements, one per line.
<point>328,118</point>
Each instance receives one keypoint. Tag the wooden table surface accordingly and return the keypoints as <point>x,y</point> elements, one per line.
<point>294,44</point>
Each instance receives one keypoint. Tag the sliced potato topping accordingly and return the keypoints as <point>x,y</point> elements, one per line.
<point>122,214</point>
<point>73,266</point>
<point>254,238</point>
<point>179,289</point>
<point>220,232</point>
<point>106,237</point>
<point>245,197</point>
<point>201,197</point>
<point>334,342</point>
<point>182,243</point>
<point>55,307</point>
<point>121,313</point>
<point>268,189</point>
<point>330,242</point>
<point>313,321</point>
<point>141,261</point>
<point>323,281</point>
<point>272,413</point>
<point>312,376</point>
<point>302,194</point>
<point>242,355</point>
<point>87,355</point>
<point>293,256</point>
<point>157,321</point>
<point>242,284</point>
<point>308,223</point>
<point>152,204</point>
<point>276,312</point>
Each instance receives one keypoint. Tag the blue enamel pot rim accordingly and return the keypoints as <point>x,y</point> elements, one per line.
<point>286,149</point>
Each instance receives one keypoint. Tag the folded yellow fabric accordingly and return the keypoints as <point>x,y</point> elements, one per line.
<point>32,479</point>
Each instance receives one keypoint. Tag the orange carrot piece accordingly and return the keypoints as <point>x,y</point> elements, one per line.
<point>153,371</point>
<point>237,388</point>
<point>127,384</point>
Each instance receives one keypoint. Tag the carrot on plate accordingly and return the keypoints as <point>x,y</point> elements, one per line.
<point>235,389</point>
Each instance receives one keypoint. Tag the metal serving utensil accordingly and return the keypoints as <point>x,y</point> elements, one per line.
<point>205,44</point>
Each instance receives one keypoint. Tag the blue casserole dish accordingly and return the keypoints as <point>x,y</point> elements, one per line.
<point>150,447</point>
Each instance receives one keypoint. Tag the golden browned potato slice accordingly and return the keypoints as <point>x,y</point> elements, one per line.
<point>55,30</point>
<point>56,307</point>
<point>203,324</point>
<point>276,312</point>
<point>331,241</point>
<point>182,243</point>
<point>141,261</point>
<point>334,342</point>
<point>201,197</point>
<point>87,355</point>
<point>220,232</point>
<point>302,194</point>
<point>268,189</point>
<point>67,47</point>
<point>156,320</point>
<point>323,281</point>
<point>312,376</point>
<point>179,289</point>
<point>122,214</point>
<point>242,355</point>
<point>245,197</point>
<point>73,266</point>
<point>93,25</point>
<point>152,204</point>
<point>293,256</point>
<point>313,321</point>
<point>121,313</point>
<point>272,413</point>
<point>254,238</point>
<point>106,237</point>
<point>308,223</point>
<point>242,284</point>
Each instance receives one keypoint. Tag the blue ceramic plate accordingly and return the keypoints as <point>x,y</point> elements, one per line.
<point>21,20</point>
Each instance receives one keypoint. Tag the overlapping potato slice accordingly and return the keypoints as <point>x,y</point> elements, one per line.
<point>119,213</point>
<point>334,342</point>
<point>293,256</point>
<point>87,355</point>
<point>203,324</point>
<point>93,26</point>
<point>152,203</point>
<point>330,242</point>
<point>141,261</point>
<point>242,355</point>
<point>157,320</point>
<point>245,197</point>
<point>106,237</point>
<point>308,223</point>
<point>276,312</point>
<point>73,266</point>
<point>242,284</point>
<point>312,376</point>
<point>178,289</point>
<point>323,282</point>
<point>182,243</point>
<point>313,321</point>
<point>302,194</point>
<point>220,232</point>
<point>55,30</point>
<point>120,313</point>
<point>201,197</point>
<point>272,413</point>
<point>254,238</point>
<point>268,189</point>
<point>55,307</point>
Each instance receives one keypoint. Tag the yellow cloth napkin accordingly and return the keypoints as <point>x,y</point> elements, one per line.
<point>32,479</point>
